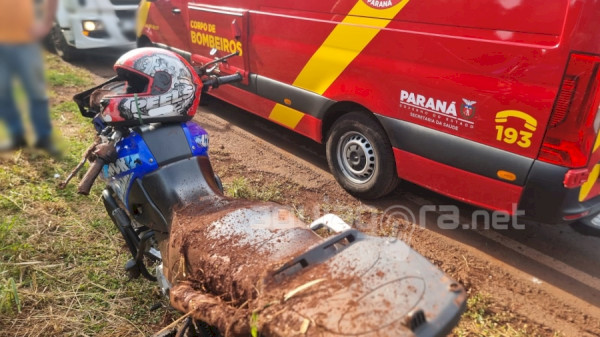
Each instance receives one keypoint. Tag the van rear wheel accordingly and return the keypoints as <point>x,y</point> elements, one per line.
<point>360,156</point>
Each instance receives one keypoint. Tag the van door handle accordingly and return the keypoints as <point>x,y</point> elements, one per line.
<point>235,29</point>
<point>176,11</point>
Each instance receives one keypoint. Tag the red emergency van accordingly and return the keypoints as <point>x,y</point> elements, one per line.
<point>492,102</point>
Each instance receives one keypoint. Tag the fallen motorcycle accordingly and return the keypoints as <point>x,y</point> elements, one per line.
<point>243,267</point>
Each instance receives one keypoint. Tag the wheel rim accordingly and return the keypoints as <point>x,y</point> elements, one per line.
<point>356,157</point>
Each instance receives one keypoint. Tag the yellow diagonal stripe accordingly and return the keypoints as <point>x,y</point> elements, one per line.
<point>344,43</point>
<point>597,142</point>
<point>586,188</point>
<point>340,48</point>
<point>143,11</point>
<point>286,115</point>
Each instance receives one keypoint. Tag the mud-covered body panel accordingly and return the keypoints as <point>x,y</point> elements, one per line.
<point>367,286</point>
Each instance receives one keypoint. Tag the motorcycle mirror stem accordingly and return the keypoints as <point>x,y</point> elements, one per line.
<point>203,68</point>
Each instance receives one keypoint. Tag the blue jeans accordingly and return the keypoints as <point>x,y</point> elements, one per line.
<point>24,61</point>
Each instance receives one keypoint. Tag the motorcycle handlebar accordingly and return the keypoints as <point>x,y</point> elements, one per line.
<point>105,153</point>
<point>237,77</point>
<point>88,179</point>
<point>215,81</point>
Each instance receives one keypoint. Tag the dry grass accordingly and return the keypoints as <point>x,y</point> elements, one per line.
<point>61,259</point>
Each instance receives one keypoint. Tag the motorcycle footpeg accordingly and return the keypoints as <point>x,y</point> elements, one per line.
<point>133,269</point>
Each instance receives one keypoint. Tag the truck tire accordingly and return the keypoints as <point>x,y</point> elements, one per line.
<point>48,43</point>
<point>60,45</point>
<point>360,156</point>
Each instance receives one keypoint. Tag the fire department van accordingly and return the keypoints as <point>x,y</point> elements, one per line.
<point>494,103</point>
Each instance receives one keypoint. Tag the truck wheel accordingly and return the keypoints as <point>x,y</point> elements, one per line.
<point>62,48</point>
<point>360,156</point>
<point>48,43</point>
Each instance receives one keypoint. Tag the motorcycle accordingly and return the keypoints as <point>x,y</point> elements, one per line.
<point>242,267</point>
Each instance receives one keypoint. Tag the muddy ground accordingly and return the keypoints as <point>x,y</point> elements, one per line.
<point>544,278</point>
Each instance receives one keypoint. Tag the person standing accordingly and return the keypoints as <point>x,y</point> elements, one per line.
<point>21,57</point>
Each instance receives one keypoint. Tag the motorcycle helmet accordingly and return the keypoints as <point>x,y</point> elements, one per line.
<point>152,85</point>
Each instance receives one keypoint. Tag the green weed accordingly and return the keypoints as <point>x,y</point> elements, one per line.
<point>254,325</point>
<point>240,187</point>
<point>9,297</point>
<point>482,320</point>
<point>9,237</point>
<point>60,75</point>
<point>58,79</point>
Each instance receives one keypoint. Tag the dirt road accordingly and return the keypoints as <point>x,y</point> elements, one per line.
<point>544,279</point>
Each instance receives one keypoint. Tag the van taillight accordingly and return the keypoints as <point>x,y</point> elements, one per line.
<point>574,123</point>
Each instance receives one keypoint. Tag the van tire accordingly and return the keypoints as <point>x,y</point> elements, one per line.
<point>360,156</point>
<point>60,45</point>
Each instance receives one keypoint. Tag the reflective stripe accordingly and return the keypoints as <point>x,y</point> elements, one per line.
<point>340,48</point>
<point>286,115</point>
<point>143,11</point>
<point>597,142</point>
<point>586,188</point>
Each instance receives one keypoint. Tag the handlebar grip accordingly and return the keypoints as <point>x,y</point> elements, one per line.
<point>237,77</point>
<point>214,81</point>
<point>86,183</point>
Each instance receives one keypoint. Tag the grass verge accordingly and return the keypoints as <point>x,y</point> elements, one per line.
<point>61,259</point>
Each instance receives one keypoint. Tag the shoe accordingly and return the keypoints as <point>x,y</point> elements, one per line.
<point>13,144</point>
<point>46,144</point>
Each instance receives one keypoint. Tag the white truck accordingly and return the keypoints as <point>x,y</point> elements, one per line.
<point>86,24</point>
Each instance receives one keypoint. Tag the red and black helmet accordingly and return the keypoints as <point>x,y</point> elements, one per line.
<point>152,85</point>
